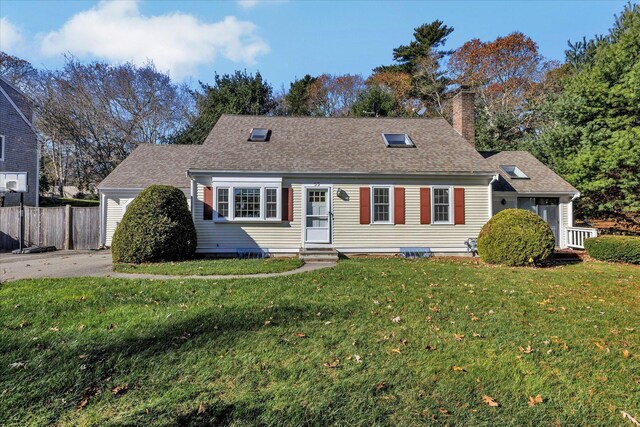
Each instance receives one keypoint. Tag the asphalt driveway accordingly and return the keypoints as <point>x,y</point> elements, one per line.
<point>55,264</point>
<point>98,264</point>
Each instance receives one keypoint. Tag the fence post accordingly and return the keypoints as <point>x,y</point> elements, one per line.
<point>68,228</point>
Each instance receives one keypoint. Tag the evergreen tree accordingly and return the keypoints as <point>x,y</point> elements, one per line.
<point>238,93</point>
<point>593,135</point>
<point>297,100</point>
<point>421,60</point>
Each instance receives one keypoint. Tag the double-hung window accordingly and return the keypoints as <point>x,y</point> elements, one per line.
<point>271,203</point>
<point>381,202</point>
<point>248,200</point>
<point>223,202</point>
<point>442,205</point>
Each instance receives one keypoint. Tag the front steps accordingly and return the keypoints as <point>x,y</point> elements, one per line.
<point>318,255</point>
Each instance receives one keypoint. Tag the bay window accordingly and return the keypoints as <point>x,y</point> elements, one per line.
<point>247,199</point>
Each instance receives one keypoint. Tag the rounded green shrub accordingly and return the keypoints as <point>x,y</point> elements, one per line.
<point>614,248</point>
<point>515,237</point>
<point>157,226</point>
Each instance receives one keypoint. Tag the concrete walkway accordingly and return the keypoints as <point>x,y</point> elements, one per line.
<point>98,264</point>
<point>312,266</point>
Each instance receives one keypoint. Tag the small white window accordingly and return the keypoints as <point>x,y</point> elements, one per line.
<point>222,202</point>
<point>381,202</point>
<point>1,147</point>
<point>397,140</point>
<point>259,134</point>
<point>271,203</point>
<point>441,205</point>
<point>514,172</point>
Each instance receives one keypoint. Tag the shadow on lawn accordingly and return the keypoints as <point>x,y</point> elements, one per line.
<point>107,361</point>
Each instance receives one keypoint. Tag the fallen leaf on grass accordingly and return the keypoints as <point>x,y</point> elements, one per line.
<point>526,350</point>
<point>17,365</point>
<point>54,329</point>
<point>396,350</point>
<point>443,411</point>
<point>626,354</point>
<point>490,401</point>
<point>333,364</point>
<point>533,401</point>
<point>630,418</point>
<point>300,335</point>
<point>458,337</point>
<point>458,369</point>
<point>381,386</point>
<point>119,390</point>
<point>476,335</point>
<point>201,409</point>
<point>396,319</point>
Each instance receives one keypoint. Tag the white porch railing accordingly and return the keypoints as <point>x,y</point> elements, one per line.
<point>577,235</point>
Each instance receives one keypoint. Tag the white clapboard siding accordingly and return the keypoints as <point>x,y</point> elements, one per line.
<point>347,230</point>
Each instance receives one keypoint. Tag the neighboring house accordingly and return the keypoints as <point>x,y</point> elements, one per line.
<point>356,185</point>
<point>18,141</point>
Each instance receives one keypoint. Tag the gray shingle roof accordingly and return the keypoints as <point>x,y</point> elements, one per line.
<point>336,145</point>
<point>152,164</point>
<point>332,145</point>
<point>541,178</point>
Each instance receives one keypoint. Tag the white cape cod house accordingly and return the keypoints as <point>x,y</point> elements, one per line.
<point>355,185</point>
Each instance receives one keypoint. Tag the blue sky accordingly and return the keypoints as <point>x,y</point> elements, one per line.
<point>282,39</point>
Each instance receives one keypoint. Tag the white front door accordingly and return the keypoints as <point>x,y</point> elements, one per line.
<point>317,215</point>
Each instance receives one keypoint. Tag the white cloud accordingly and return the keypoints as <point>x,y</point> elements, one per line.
<point>176,42</point>
<point>10,36</point>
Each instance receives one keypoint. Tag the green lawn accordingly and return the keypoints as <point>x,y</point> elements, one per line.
<point>210,267</point>
<point>370,342</point>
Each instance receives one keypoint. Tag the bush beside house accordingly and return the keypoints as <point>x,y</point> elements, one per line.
<point>157,226</point>
<point>614,248</point>
<point>515,237</point>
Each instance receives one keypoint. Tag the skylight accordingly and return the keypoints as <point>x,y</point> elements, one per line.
<point>397,140</point>
<point>259,134</point>
<point>513,172</point>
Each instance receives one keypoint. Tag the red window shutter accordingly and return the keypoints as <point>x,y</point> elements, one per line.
<point>398,205</point>
<point>458,205</point>
<point>287,204</point>
<point>365,205</point>
<point>207,212</point>
<point>425,206</point>
<point>290,204</point>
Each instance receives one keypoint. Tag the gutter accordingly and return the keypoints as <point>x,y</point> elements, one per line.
<point>192,172</point>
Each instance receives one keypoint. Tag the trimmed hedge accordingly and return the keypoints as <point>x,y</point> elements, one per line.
<point>614,248</point>
<point>157,226</point>
<point>515,237</point>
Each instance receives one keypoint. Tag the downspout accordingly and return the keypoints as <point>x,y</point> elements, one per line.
<point>494,178</point>
<point>575,196</point>
<point>193,195</point>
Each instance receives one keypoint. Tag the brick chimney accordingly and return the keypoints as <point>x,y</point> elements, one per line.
<point>464,114</point>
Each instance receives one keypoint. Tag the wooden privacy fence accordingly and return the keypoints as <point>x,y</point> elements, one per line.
<point>64,227</point>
